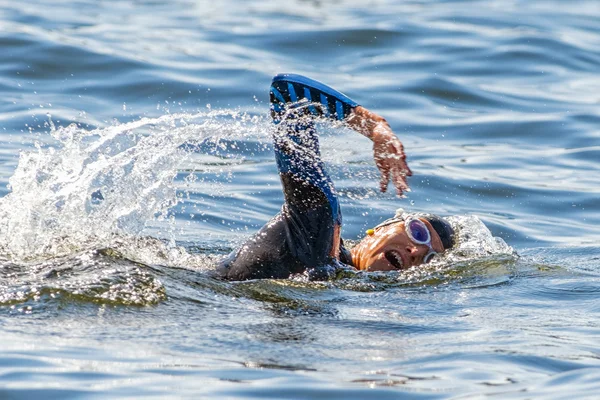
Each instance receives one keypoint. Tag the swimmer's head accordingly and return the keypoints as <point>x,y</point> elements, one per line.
<point>403,241</point>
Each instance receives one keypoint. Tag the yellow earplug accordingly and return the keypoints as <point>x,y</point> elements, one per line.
<point>370,232</point>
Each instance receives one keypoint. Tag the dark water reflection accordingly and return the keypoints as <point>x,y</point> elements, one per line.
<point>497,105</point>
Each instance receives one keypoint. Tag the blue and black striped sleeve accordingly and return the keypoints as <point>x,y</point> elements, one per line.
<point>290,89</point>
<point>311,204</point>
<point>305,236</point>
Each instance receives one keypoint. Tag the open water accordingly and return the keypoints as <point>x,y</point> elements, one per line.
<point>135,151</point>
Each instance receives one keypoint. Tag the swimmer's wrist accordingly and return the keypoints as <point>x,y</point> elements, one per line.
<point>368,123</point>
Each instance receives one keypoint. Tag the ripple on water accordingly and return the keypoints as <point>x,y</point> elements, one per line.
<point>496,104</point>
<point>95,276</point>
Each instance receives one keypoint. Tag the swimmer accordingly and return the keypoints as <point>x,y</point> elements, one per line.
<point>305,235</point>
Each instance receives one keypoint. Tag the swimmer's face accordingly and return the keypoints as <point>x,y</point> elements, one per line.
<point>390,248</point>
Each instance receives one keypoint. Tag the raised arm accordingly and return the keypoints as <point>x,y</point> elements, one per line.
<point>305,236</point>
<point>294,95</point>
<point>388,151</point>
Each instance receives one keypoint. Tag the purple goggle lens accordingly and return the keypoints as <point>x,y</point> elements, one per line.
<point>417,232</point>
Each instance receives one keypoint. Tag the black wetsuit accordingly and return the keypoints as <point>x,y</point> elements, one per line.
<point>305,235</point>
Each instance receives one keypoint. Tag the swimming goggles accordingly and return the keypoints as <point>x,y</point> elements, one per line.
<point>417,232</point>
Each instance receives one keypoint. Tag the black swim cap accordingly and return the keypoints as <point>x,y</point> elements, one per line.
<point>443,229</point>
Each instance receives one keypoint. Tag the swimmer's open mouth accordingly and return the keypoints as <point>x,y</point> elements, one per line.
<point>394,258</point>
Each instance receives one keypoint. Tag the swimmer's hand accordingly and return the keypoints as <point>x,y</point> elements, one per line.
<point>388,151</point>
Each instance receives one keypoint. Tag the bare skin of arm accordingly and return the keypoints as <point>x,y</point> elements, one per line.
<point>388,151</point>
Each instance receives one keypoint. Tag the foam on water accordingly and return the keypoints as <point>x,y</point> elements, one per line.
<point>72,228</point>
<point>91,189</point>
<point>74,225</point>
<point>474,240</point>
<point>497,106</point>
<point>90,185</point>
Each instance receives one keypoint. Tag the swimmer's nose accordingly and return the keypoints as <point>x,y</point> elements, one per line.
<point>416,253</point>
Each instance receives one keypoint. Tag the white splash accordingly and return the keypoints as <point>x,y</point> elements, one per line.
<point>474,240</point>
<point>95,184</point>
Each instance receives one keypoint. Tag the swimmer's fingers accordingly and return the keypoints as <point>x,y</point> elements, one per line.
<point>401,157</point>
<point>390,168</point>
<point>400,170</point>
<point>397,175</point>
<point>381,156</point>
<point>390,159</point>
<point>399,180</point>
<point>385,176</point>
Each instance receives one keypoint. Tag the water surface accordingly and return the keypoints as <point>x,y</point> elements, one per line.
<point>163,109</point>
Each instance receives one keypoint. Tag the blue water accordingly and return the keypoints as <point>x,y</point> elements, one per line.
<point>163,107</point>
